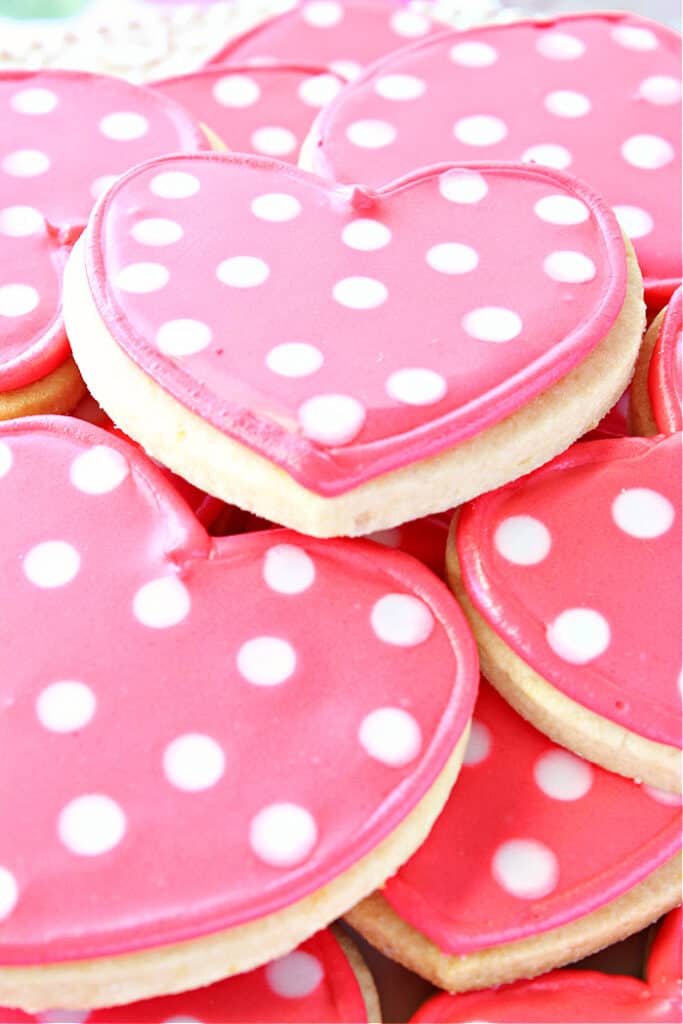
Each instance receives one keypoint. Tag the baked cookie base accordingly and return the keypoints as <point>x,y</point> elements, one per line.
<point>58,392</point>
<point>196,450</point>
<point>641,419</point>
<point>363,976</point>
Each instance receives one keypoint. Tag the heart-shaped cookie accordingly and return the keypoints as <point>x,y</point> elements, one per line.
<point>222,743</point>
<point>596,94</point>
<point>571,581</point>
<point>538,859</point>
<point>579,996</point>
<point>411,364</point>
<point>46,194</point>
<point>657,404</point>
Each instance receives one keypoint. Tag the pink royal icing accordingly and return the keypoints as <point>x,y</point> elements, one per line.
<point>666,369</point>
<point>597,95</point>
<point>147,645</point>
<point>46,194</point>
<point>267,110</point>
<point>418,328</point>
<point>533,861</point>
<point>344,34</point>
<point>577,568</point>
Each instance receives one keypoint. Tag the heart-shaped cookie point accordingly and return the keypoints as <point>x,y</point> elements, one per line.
<point>411,364</point>
<point>528,885</point>
<point>596,94</point>
<point>45,199</point>
<point>135,744</point>
<point>581,996</point>
<point>657,393</point>
<point>570,579</point>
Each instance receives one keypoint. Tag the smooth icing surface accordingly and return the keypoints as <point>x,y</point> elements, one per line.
<point>577,568</point>
<point>189,653</point>
<point>345,34</point>
<point>313,983</point>
<point>580,996</point>
<point>666,369</point>
<point>417,329</point>
<point>529,862</point>
<point>424,539</point>
<point>65,137</point>
<point>265,110</point>
<point>597,95</point>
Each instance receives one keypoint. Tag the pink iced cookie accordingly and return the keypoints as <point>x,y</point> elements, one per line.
<point>136,744</point>
<point>344,34</point>
<point>581,996</point>
<point>657,401</point>
<point>46,195</point>
<point>597,95</point>
<point>571,580</point>
<point>417,331</point>
<point>539,858</point>
<point>267,110</point>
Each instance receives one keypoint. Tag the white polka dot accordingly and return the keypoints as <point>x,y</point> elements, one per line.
<point>452,258</point>
<point>52,564</point>
<point>633,37</point>
<point>390,735</point>
<point>649,152</point>
<point>287,569</point>
<point>371,133</point>
<point>643,513</point>
<point>294,976</point>
<point>522,540</point>
<point>347,69</point>
<point>478,745</point>
<point>5,458</point>
<point>243,271</point>
<point>562,776</point>
<point>662,90</point>
<point>416,386</point>
<point>25,163</point>
<point>274,141</point>
<point>559,209</point>
<point>400,87</point>
<point>102,185</point>
<point>360,292</point>
<point>141,278</point>
<point>323,13</point>
<point>9,893</point>
<point>91,825</point>
<point>560,46</point>
<point>236,91</point>
<point>525,868</point>
<point>34,101</point>
<point>492,323</point>
<point>473,54</point>
<point>283,835</point>
<point>174,185</point>
<point>332,419</point>
<point>460,186</point>
<point>480,130</point>
<point>193,762</point>
<point>319,90</point>
<point>569,267</point>
<point>566,103</point>
<point>18,299</point>
<point>124,126</point>
<point>183,337</point>
<point>65,707</point>
<point>161,603</point>
<point>277,207</point>
<point>294,359</point>
<point>157,231</point>
<point>548,154</point>
<point>662,797</point>
<point>266,660</point>
<point>99,470</point>
<point>20,221</point>
<point>635,222</point>
<point>579,635</point>
<point>410,24</point>
<point>366,235</point>
<point>402,620</point>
